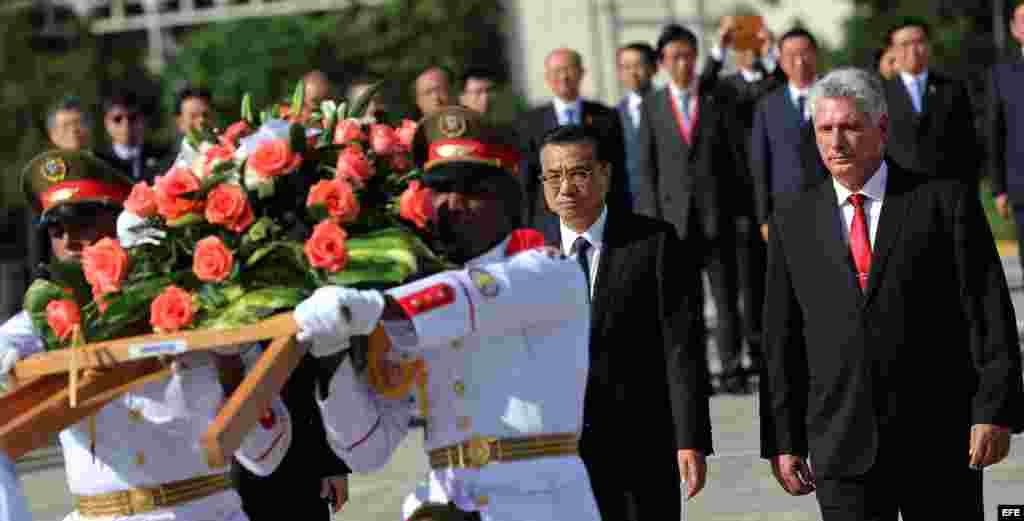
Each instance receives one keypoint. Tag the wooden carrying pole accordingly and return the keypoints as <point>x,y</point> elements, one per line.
<point>251,400</point>
<point>113,352</point>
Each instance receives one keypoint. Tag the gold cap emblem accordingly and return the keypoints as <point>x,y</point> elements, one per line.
<point>452,125</point>
<point>54,169</point>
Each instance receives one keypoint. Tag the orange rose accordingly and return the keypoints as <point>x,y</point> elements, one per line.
<point>337,197</point>
<point>273,158</point>
<point>63,316</point>
<point>354,166</point>
<point>213,260</point>
<point>227,205</point>
<point>171,310</point>
<point>210,159</point>
<point>417,204</point>
<point>384,140</point>
<point>406,132</point>
<point>142,200</point>
<point>105,265</point>
<point>348,130</point>
<point>169,189</point>
<point>234,133</point>
<point>326,247</point>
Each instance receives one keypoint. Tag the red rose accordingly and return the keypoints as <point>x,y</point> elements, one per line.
<point>234,133</point>
<point>142,200</point>
<point>273,158</point>
<point>326,247</point>
<point>348,130</point>
<point>171,310</point>
<point>400,163</point>
<point>210,159</point>
<point>384,140</point>
<point>212,261</point>
<point>105,265</point>
<point>227,205</point>
<point>406,132</point>
<point>337,197</point>
<point>63,316</point>
<point>417,204</point>
<point>354,166</point>
<point>169,189</point>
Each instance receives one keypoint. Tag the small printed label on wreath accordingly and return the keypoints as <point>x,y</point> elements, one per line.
<point>485,282</point>
<point>168,347</point>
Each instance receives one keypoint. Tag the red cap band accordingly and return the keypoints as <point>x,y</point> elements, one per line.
<point>500,156</point>
<point>83,190</point>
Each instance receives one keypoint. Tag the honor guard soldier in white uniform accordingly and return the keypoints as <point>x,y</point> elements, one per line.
<point>12,499</point>
<point>143,460</point>
<point>504,341</point>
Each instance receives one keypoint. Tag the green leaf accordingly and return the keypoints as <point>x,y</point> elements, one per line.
<point>255,306</point>
<point>247,113</point>
<point>297,98</point>
<point>291,247</point>
<point>211,297</point>
<point>265,116</point>
<point>359,105</point>
<point>263,228</point>
<point>370,270</point>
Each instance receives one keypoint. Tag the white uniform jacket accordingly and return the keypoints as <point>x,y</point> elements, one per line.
<point>151,435</point>
<point>505,343</point>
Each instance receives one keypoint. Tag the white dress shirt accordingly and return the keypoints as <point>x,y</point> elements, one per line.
<point>874,194</point>
<point>595,236</point>
<point>562,106</point>
<point>911,81</point>
<point>794,96</point>
<point>633,101</point>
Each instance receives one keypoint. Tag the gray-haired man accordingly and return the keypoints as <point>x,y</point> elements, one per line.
<point>870,273</point>
<point>67,124</point>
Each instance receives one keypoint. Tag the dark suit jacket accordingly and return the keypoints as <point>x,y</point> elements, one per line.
<point>1005,122</point>
<point>784,158</point>
<point>930,348</point>
<point>153,159</point>
<point>631,148</point>
<point>940,140</point>
<point>746,94</point>
<point>534,124</point>
<point>706,177</point>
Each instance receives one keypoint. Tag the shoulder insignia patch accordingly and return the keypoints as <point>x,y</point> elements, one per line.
<point>484,282</point>
<point>438,295</point>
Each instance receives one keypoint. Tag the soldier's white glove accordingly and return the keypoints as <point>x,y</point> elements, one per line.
<point>8,357</point>
<point>333,314</point>
<point>132,231</point>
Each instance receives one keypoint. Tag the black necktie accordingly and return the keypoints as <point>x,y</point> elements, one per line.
<point>582,246</point>
<point>801,102</point>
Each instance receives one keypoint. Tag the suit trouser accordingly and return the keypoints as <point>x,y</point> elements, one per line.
<point>917,491</point>
<point>718,260</point>
<point>650,493</point>
<point>751,262</point>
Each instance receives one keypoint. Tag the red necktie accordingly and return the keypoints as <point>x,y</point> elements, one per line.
<point>860,246</point>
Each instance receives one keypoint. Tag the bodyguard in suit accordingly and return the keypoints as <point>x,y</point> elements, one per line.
<point>1005,132</point>
<point>128,150</point>
<point>931,124</point>
<point>563,71</point>
<point>637,65</point>
<point>645,292</point>
<point>869,273</point>
<point>691,153</point>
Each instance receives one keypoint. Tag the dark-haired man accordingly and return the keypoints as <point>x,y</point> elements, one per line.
<point>192,111</point>
<point>645,292</point>
<point>478,86</point>
<point>637,65</point>
<point>128,150</point>
<point>931,123</point>
<point>67,124</point>
<point>433,90</point>
<point>691,152</point>
<point>1005,132</point>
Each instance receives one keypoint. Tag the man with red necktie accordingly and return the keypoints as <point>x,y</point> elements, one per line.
<point>869,273</point>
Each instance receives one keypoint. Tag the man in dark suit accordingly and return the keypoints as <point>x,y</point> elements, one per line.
<point>637,65</point>
<point>128,150</point>
<point>645,293</point>
<point>691,153</point>
<point>192,111</point>
<point>1005,132</point>
<point>563,71</point>
<point>871,272</point>
<point>931,124</point>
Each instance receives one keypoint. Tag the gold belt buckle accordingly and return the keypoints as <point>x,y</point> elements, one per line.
<point>476,452</point>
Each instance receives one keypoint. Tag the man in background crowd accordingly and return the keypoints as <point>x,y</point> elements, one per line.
<point>931,122</point>
<point>128,150</point>
<point>637,65</point>
<point>433,90</point>
<point>192,111</point>
<point>478,90</point>
<point>316,88</point>
<point>378,107</point>
<point>563,73</point>
<point>67,124</point>
<point>1005,132</point>
<point>885,61</point>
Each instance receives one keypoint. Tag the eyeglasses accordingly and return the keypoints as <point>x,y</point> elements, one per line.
<point>132,118</point>
<point>579,176</point>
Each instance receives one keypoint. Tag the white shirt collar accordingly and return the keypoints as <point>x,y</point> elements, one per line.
<point>751,76</point>
<point>594,235</point>
<point>561,106</point>
<point>493,255</point>
<point>633,99</point>
<point>127,152</point>
<point>677,92</point>
<point>908,79</point>
<point>795,92</point>
<point>874,189</point>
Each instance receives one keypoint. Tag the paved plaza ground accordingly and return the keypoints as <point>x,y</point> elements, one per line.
<point>740,485</point>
